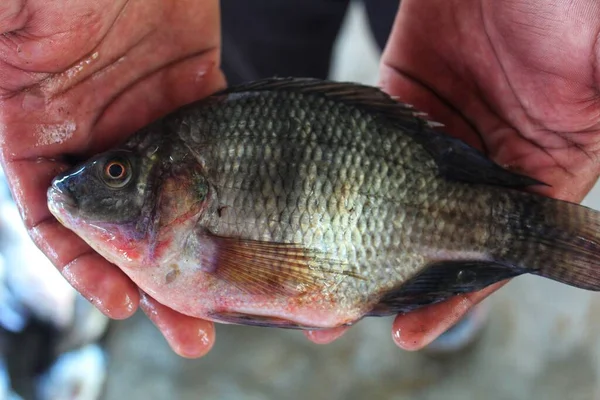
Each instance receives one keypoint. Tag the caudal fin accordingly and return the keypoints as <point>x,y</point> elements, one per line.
<point>556,240</point>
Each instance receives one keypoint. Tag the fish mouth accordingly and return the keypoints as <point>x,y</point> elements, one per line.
<point>60,202</point>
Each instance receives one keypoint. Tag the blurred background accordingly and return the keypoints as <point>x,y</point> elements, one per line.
<point>541,341</point>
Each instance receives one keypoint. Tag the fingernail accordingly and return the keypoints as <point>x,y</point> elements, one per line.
<point>326,336</point>
<point>396,334</point>
<point>203,69</point>
<point>404,341</point>
<point>399,339</point>
<point>192,344</point>
<point>128,304</point>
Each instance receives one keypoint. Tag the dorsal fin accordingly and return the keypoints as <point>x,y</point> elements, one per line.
<point>455,159</point>
<point>458,161</point>
<point>361,96</point>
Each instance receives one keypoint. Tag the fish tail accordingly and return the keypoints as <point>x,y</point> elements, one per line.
<point>554,239</point>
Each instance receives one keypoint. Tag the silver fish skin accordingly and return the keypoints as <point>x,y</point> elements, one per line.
<point>301,203</point>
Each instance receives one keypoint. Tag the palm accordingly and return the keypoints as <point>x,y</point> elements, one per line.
<point>518,79</point>
<point>75,77</point>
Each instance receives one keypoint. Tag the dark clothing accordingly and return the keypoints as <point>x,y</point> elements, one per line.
<point>265,38</point>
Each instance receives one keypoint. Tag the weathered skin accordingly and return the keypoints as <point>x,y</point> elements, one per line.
<point>275,205</point>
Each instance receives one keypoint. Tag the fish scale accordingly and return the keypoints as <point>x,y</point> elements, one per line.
<point>308,146</point>
<point>309,204</point>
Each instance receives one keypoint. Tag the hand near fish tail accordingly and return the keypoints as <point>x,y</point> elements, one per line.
<point>519,80</point>
<point>76,76</point>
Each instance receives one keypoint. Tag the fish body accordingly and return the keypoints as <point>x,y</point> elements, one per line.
<point>310,204</point>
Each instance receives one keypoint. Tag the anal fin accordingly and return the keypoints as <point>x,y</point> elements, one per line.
<point>440,281</point>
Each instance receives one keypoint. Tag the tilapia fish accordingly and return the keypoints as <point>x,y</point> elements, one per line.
<point>310,204</point>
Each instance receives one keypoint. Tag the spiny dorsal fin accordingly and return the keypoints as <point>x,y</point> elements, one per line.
<point>458,161</point>
<point>349,93</point>
<point>455,159</point>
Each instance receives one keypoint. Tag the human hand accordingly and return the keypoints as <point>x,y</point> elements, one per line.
<point>77,76</point>
<point>519,80</point>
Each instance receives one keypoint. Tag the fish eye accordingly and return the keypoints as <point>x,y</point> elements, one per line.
<point>116,172</point>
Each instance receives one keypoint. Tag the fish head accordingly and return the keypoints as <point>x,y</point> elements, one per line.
<point>109,188</point>
<point>108,200</point>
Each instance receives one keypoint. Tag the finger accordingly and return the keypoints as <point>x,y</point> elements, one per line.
<point>417,329</point>
<point>326,336</point>
<point>189,337</point>
<point>99,281</point>
<point>104,285</point>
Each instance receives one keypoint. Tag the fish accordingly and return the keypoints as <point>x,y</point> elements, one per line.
<point>311,204</point>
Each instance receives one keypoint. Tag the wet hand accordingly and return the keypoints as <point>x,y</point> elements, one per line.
<point>76,77</point>
<point>519,80</point>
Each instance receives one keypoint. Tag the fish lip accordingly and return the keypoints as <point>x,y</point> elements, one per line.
<point>58,199</point>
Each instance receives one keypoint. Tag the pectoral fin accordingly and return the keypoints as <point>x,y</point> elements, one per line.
<point>268,268</point>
